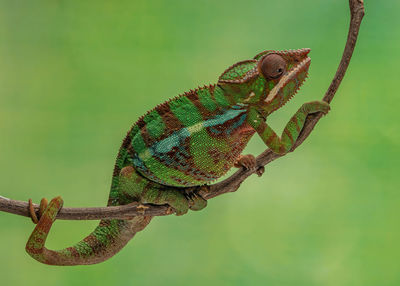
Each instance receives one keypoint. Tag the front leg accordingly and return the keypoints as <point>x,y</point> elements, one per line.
<point>282,145</point>
<point>249,162</point>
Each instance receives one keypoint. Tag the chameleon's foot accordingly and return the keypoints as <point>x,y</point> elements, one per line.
<point>196,202</point>
<point>42,207</point>
<point>249,162</point>
<point>134,187</point>
<point>317,106</point>
<point>174,198</point>
<point>178,201</point>
<point>260,171</point>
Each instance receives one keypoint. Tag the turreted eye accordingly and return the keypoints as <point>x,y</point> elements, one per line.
<point>272,66</point>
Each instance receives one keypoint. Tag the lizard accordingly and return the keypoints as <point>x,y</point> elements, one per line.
<point>185,142</point>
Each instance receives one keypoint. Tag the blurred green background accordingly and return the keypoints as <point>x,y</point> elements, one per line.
<point>74,75</point>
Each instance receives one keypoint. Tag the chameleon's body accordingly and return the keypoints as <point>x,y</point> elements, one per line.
<point>189,141</point>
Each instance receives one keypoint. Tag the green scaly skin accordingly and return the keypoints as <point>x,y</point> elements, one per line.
<point>190,140</point>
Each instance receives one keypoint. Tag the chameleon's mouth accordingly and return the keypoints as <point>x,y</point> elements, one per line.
<point>290,82</point>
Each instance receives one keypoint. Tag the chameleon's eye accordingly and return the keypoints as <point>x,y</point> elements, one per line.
<point>272,66</point>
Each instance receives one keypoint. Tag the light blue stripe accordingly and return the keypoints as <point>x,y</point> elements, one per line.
<point>176,138</point>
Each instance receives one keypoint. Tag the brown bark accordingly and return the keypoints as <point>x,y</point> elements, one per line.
<point>232,183</point>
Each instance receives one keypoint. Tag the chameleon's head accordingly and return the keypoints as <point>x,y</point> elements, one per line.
<point>268,81</point>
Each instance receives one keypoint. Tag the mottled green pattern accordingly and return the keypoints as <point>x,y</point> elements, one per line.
<point>170,173</point>
<point>220,97</point>
<point>185,111</point>
<point>138,142</point>
<point>203,159</point>
<point>238,71</point>
<point>154,124</point>
<point>206,99</point>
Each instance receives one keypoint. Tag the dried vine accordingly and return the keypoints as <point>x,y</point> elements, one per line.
<point>232,183</point>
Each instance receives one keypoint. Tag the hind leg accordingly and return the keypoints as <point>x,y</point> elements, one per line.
<point>134,187</point>
<point>175,198</point>
<point>196,202</point>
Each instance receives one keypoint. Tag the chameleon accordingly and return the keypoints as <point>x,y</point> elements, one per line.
<point>185,142</point>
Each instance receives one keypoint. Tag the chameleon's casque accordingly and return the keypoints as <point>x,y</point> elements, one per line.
<point>189,141</point>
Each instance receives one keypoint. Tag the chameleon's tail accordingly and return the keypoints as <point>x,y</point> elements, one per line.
<point>105,241</point>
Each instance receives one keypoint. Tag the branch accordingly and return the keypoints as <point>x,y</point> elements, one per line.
<point>232,183</point>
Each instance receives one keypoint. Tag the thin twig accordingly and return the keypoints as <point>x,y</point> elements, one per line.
<point>232,183</point>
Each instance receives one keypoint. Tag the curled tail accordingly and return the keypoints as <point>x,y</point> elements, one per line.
<point>105,241</point>
<point>111,235</point>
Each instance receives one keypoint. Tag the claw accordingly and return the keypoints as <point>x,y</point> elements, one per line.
<point>325,108</point>
<point>142,208</point>
<point>247,161</point>
<point>196,201</point>
<point>260,171</point>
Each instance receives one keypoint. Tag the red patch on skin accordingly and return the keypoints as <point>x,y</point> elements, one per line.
<point>194,98</point>
<point>35,250</point>
<point>39,240</point>
<point>289,135</point>
<point>148,140</point>
<point>127,171</point>
<point>44,224</point>
<point>261,128</point>
<point>215,155</point>
<point>171,122</point>
<point>74,252</point>
<point>271,138</point>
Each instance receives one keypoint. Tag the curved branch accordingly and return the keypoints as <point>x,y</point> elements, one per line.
<point>232,183</point>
